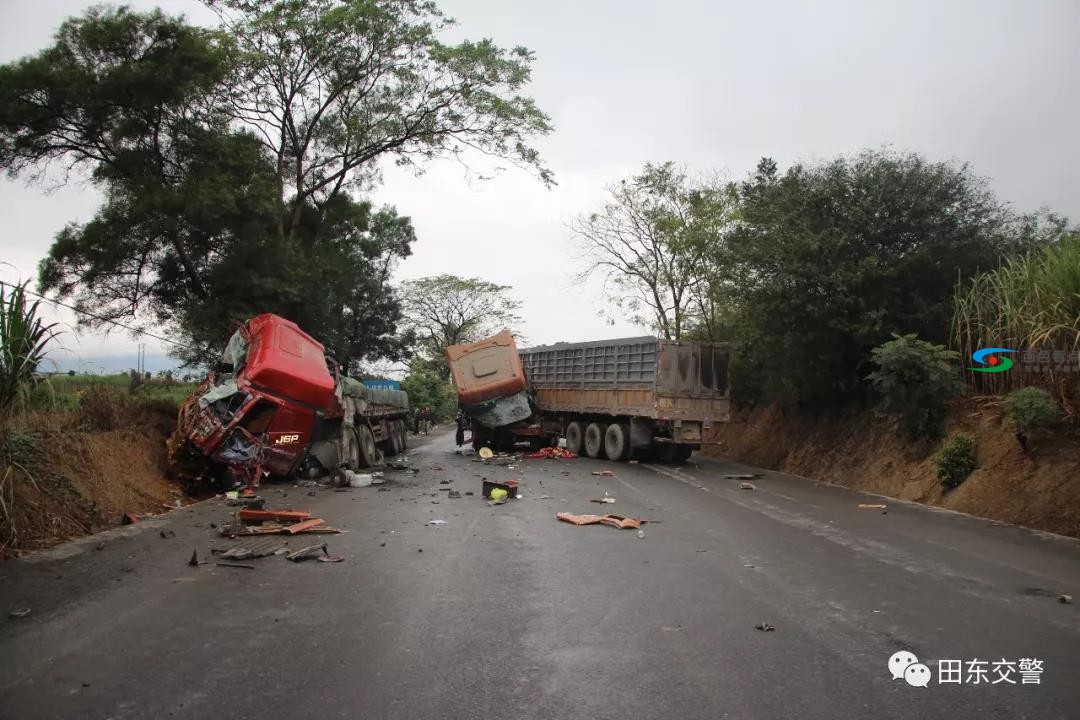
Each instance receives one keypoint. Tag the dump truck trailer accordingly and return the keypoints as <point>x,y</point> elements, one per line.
<point>630,397</point>
<point>276,405</point>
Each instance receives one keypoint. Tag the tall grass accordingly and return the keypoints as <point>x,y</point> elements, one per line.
<point>1029,304</point>
<point>24,337</point>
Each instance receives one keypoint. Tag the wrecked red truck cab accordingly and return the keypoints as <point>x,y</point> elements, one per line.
<point>276,405</point>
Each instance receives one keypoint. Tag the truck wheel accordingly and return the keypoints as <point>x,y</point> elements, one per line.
<point>479,438</point>
<point>673,453</point>
<point>394,443</point>
<point>617,442</point>
<point>574,437</point>
<point>403,435</point>
<point>369,452</point>
<point>594,439</point>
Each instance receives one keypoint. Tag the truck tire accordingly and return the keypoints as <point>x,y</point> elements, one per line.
<point>594,439</point>
<point>673,453</point>
<point>574,437</point>
<point>617,442</point>
<point>403,434</point>
<point>479,438</point>
<point>369,451</point>
<point>397,442</point>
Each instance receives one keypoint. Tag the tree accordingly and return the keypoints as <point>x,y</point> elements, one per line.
<point>210,215</point>
<point>832,258</point>
<point>332,86</point>
<point>654,243</point>
<point>449,310</point>
<point>427,387</point>
<point>915,380</point>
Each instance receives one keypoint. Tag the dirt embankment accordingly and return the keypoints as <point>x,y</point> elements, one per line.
<point>68,474</point>
<point>1038,490</point>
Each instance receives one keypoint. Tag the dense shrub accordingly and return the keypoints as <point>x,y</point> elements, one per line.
<point>1030,408</point>
<point>956,460</point>
<point>915,380</point>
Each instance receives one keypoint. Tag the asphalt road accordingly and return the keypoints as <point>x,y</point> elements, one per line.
<point>504,612</point>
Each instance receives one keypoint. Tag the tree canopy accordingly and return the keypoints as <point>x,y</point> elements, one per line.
<point>808,269</point>
<point>230,159</point>
<point>449,310</point>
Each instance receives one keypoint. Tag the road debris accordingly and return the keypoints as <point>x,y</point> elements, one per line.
<point>331,558</point>
<point>640,534</point>
<point>246,549</point>
<point>616,521</point>
<point>765,627</point>
<point>249,515</point>
<point>510,488</point>
<point>865,506</point>
<point>128,519</point>
<point>167,534</point>
<point>308,552</point>
<point>435,522</point>
<point>603,473</point>
<point>747,486</point>
<point>194,561</point>
<point>602,500</point>
<point>20,613</point>
<point>744,476</point>
<point>485,452</point>
<point>236,565</point>
<point>1065,599</point>
<point>302,526</point>
<point>454,494</point>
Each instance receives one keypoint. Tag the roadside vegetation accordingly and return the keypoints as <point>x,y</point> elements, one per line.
<point>76,451</point>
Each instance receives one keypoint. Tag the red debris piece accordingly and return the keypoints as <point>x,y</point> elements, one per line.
<point>616,521</point>
<point>550,452</point>
<point>301,526</point>
<point>250,515</point>
<point>128,519</point>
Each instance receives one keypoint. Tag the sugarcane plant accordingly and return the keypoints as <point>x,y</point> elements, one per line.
<point>1029,303</point>
<point>24,341</point>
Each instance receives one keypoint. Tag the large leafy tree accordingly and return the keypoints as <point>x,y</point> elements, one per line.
<point>332,86</point>
<point>653,244</point>
<point>831,259</point>
<point>449,310</point>
<point>228,160</point>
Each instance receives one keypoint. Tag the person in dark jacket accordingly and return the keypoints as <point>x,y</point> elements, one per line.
<point>416,421</point>
<point>462,423</point>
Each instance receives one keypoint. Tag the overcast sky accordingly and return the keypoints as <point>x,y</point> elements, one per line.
<point>712,85</point>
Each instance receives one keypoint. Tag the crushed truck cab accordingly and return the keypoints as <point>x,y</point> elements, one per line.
<point>276,405</point>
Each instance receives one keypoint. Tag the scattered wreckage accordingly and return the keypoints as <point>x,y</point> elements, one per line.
<point>277,405</point>
<point>617,399</point>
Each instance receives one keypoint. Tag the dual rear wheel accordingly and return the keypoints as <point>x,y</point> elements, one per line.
<point>612,441</point>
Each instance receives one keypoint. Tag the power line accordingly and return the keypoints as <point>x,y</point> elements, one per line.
<point>99,317</point>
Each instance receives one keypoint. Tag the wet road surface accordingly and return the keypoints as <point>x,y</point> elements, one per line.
<point>504,612</point>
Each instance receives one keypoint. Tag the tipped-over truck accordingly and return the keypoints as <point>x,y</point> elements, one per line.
<point>631,397</point>
<point>276,405</point>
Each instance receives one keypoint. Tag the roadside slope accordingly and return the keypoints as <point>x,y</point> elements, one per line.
<point>1041,490</point>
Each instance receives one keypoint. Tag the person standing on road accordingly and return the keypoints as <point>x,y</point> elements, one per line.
<point>416,421</point>
<point>462,421</point>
